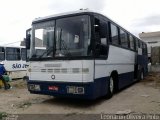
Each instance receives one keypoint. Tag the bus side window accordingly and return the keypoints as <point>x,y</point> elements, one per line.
<point>103,32</point>
<point>124,38</point>
<point>131,42</point>
<point>137,45</point>
<point>144,49</point>
<point>97,31</point>
<point>100,37</point>
<point>140,44</point>
<point>134,41</point>
<point>114,34</point>
<point>12,54</point>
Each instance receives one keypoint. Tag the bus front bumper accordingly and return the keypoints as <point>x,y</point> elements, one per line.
<point>62,89</point>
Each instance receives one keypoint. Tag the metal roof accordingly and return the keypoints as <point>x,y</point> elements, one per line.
<point>62,14</point>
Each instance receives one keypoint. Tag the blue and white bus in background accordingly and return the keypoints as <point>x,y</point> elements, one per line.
<point>14,60</point>
<point>86,55</point>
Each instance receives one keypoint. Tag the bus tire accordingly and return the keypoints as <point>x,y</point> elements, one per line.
<point>110,87</point>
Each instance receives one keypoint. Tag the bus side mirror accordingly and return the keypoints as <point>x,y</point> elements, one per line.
<point>28,41</point>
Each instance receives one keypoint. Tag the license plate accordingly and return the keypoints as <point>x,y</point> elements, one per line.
<point>54,88</point>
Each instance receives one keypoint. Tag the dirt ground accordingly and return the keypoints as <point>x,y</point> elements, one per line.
<point>141,97</point>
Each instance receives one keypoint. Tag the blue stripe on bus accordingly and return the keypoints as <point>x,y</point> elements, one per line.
<point>93,90</point>
<point>143,60</point>
<point>125,79</point>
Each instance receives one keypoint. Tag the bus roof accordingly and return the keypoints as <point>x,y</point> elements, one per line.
<point>83,11</point>
<point>62,14</point>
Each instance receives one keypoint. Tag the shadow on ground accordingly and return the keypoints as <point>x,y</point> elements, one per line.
<point>70,102</point>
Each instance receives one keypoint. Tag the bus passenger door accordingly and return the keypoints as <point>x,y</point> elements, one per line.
<point>101,42</point>
<point>101,53</point>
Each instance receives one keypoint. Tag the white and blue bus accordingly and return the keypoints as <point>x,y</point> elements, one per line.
<point>86,55</point>
<point>14,60</point>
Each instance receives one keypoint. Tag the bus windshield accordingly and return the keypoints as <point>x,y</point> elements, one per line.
<point>65,37</point>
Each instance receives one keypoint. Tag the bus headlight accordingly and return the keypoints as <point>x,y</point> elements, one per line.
<point>85,70</point>
<point>75,90</point>
<point>33,87</point>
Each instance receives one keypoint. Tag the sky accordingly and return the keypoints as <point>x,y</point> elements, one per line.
<point>134,15</point>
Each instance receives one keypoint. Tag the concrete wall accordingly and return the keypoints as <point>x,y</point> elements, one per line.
<point>152,39</point>
<point>155,55</point>
<point>153,68</point>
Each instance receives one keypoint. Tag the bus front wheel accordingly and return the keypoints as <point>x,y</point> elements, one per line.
<point>110,87</point>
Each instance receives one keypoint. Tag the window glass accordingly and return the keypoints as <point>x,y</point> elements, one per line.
<point>70,37</point>
<point>103,32</point>
<point>73,36</point>
<point>114,34</point>
<point>40,51</point>
<point>28,55</point>
<point>43,36</point>
<point>131,42</point>
<point>100,37</point>
<point>123,38</point>
<point>136,44</point>
<point>2,55</point>
<point>144,48</point>
<point>140,44</point>
<point>23,54</point>
<point>12,54</point>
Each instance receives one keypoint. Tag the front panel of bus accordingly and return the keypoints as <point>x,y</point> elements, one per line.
<point>63,64</point>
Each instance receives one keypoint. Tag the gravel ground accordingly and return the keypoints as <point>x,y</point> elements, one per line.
<point>141,97</point>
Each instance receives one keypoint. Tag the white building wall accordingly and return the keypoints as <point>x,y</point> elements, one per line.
<point>152,39</point>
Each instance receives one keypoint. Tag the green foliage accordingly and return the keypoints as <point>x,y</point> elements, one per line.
<point>3,115</point>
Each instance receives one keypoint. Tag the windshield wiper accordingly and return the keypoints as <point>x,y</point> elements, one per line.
<point>48,51</point>
<point>64,45</point>
<point>66,49</point>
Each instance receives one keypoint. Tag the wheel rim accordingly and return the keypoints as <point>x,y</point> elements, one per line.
<point>111,86</point>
